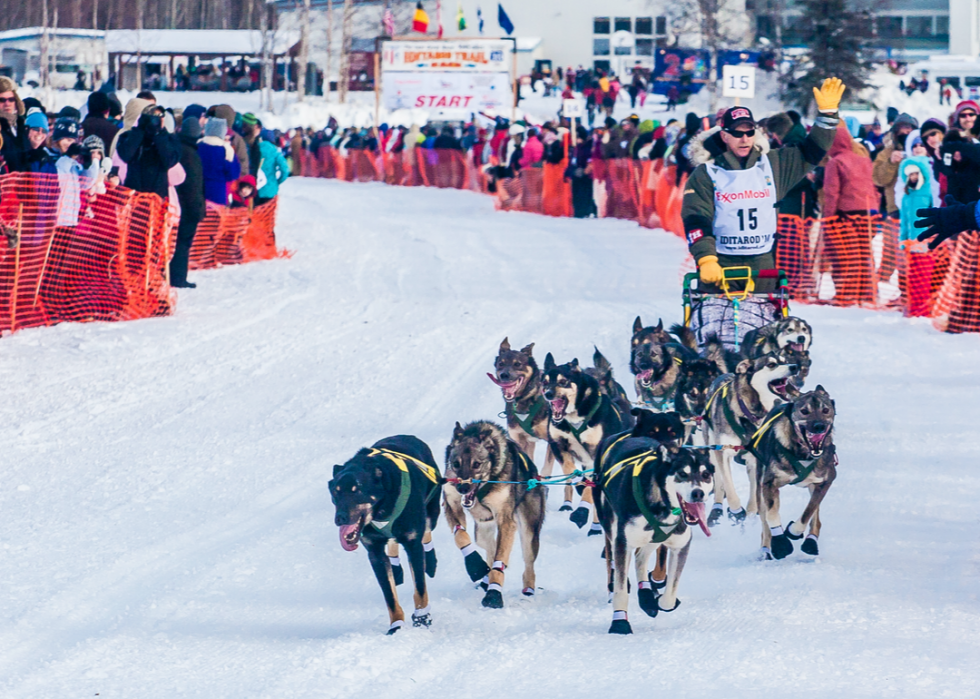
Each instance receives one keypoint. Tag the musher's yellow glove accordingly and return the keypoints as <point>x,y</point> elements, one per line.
<point>829,94</point>
<point>710,270</point>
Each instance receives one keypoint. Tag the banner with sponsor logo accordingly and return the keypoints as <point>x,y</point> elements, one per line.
<point>462,55</point>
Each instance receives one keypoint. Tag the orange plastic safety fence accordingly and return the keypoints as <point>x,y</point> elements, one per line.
<point>229,236</point>
<point>81,257</point>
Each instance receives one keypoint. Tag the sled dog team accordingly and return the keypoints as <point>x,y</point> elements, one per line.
<point>645,474</point>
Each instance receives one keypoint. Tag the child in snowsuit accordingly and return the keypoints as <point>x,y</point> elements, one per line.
<point>916,182</point>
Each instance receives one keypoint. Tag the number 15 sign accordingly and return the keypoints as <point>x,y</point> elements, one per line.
<point>738,81</point>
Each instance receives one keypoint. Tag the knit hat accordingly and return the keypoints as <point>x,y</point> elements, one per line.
<point>8,85</point>
<point>516,129</point>
<point>37,120</point>
<point>249,119</point>
<point>965,104</point>
<point>853,126</point>
<point>33,103</point>
<point>193,111</point>
<point>190,128</point>
<point>64,127</point>
<point>93,142</point>
<point>215,126</point>
<point>931,125</point>
<point>904,119</point>
<point>911,167</point>
<point>223,111</point>
<point>70,113</point>
<point>98,103</point>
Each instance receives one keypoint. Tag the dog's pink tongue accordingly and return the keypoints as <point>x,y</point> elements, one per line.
<point>346,529</point>
<point>697,509</point>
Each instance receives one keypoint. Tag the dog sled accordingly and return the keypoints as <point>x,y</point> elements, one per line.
<point>730,314</point>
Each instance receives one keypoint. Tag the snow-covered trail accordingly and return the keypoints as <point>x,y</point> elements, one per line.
<point>165,525</point>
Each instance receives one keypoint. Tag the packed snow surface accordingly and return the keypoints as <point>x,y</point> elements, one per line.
<point>167,530</point>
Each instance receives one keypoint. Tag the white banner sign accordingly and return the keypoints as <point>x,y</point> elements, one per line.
<point>473,92</point>
<point>738,81</point>
<point>571,109</point>
<point>463,55</point>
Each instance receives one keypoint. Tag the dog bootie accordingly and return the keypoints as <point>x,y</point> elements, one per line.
<point>810,547</point>
<point>716,512</point>
<point>580,516</point>
<point>565,507</point>
<point>493,599</point>
<point>395,625</point>
<point>647,599</point>
<point>528,592</point>
<point>677,603</point>
<point>430,559</point>
<point>476,567</point>
<point>421,618</point>
<point>656,584</point>
<point>737,516</point>
<point>620,624</point>
<point>397,572</point>
<point>781,545</point>
<point>595,530</point>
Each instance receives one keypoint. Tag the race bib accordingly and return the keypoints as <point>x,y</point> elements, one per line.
<point>745,209</point>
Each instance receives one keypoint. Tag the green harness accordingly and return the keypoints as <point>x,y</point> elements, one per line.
<point>636,463</point>
<point>736,423</point>
<point>405,490</point>
<point>802,470</point>
<point>577,431</point>
<point>527,424</point>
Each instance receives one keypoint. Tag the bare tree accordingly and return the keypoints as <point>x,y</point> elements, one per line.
<point>345,47</point>
<point>720,24</point>
<point>329,67</point>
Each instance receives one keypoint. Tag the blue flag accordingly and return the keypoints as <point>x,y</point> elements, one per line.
<point>503,20</point>
<point>479,16</point>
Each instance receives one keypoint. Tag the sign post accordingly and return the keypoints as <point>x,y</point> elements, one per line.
<point>738,81</point>
<point>572,110</point>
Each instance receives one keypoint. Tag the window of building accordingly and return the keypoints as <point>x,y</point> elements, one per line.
<point>661,26</point>
<point>644,25</point>
<point>601,65</point>
<point>624,24</point>
<point>942,25</point>
<point>889,26</point>
<point>600,25</point>
<point>971,81</point>
<point>600,47</point>
<point>763,25</point>
<point>918,27</point>
<point>644,47</point>
<point>623,50</point>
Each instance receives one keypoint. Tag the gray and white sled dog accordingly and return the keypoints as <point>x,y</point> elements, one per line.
<point>790,333</point>
<point>795,446</point>
<point>738,405</point>
<point>478,453</point>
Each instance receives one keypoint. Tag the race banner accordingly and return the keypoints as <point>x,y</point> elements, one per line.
<point>460,55</point>
<point>471,91</point>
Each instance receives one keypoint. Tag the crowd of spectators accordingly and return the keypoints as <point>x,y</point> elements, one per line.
<point>188,156</point>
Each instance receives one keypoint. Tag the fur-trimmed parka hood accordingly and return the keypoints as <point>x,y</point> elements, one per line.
<point>708,145</point>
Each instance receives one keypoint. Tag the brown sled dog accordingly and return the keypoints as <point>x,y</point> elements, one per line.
<point>477,458</point>
<point>519,379</point>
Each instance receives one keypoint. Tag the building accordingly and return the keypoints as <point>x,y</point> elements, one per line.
<point>70,52</point>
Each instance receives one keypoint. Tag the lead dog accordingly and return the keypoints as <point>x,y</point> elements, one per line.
<point>738,404</point>
<point>519,379</point>
<point>390,491</point>
<point>580,418</point>
<point>795,446</point>
<point>477,459</point>
<point>648,495</point>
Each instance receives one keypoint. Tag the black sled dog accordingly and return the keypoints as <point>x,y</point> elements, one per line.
<point>795,446</point>
<point>477,459</point>
<point>391,491</point>
<point>581,416</point>
<point>648,496</point>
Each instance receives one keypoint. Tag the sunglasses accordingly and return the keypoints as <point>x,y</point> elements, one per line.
<point>962,114</point>
<point>8,100</point>
<point>741,134</point>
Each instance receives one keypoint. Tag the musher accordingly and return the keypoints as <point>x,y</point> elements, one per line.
<point>729,208</point>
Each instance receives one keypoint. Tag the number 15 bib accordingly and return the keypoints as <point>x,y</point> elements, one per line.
<point>745,209</point>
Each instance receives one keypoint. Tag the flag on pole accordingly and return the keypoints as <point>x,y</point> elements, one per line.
<point>503,20</point>
<point>479,18</point>
<point>420,23</point>
<point>439,16</point>
<point>388,22</point>
<point>460,19</point>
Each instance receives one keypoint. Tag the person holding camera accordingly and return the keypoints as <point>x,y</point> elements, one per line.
<point>149,152</point>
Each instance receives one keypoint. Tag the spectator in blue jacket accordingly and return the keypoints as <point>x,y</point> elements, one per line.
<point>266,162</point>
<point>218,162</point>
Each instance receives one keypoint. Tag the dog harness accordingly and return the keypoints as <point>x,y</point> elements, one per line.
<point>404,492</point>
<point>527,422</point>
<point>738,427</point>
<point>802,468</point>
<point>485,488</point>
<point>665,403</point>
<point>745,209</point>
<point>577,431</point>
<point>636,463</point>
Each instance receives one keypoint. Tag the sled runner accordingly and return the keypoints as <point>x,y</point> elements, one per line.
<point>730,314</point>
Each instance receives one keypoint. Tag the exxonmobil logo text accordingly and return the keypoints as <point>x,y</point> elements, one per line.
<point>747,194</point>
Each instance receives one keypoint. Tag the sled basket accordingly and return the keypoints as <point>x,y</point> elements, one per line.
<point>729,314</point>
